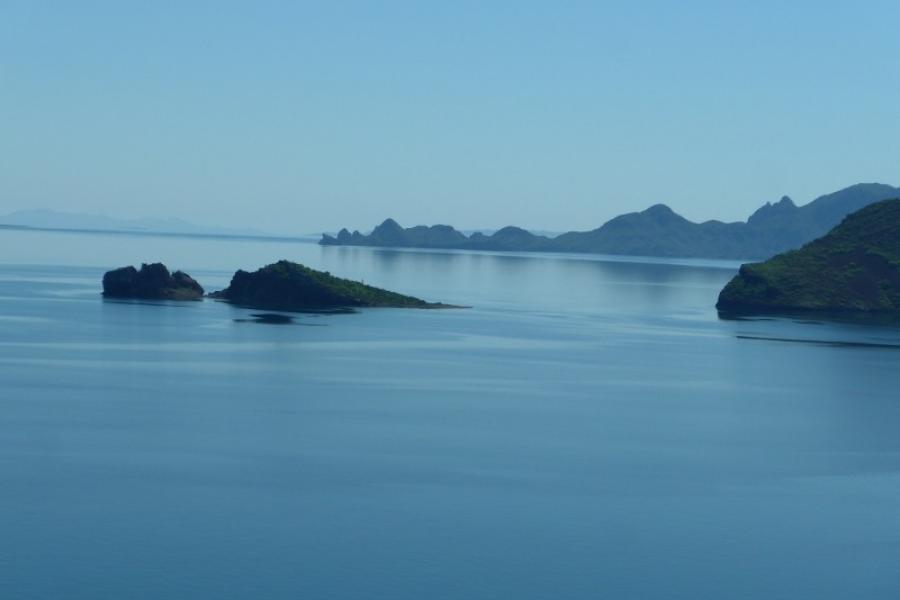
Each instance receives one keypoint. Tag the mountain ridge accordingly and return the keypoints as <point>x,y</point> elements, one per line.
<point>655,231</point>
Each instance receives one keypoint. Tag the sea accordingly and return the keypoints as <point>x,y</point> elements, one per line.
<point>587,428</point>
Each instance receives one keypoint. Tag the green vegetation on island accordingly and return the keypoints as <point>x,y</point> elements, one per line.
<point>855,267</point>
<point>151,282</point>
<point>291,286</point>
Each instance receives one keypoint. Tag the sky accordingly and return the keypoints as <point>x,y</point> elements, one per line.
<point>298,117</point>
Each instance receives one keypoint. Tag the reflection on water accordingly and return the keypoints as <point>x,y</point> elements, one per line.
<point>590,428</point>
<point>836,343</point>
<point>547,280</point>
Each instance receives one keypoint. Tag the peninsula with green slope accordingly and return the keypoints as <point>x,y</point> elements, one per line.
<point>290,286</point>
<point>854,268</point>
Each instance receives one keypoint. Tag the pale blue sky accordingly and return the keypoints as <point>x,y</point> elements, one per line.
<point>293,116</point>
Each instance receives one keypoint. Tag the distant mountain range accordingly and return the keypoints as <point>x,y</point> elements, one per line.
<point>657,231</point>
<point>52,219</point>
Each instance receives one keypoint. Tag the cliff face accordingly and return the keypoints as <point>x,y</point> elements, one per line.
<point>151,282</point>
<point>291,286</point>
<point>855,267</point>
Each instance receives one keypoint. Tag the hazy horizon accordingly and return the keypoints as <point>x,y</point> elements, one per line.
<point>155,221</point>
<point>476,116</point>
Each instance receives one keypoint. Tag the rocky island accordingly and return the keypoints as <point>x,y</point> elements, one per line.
<point>290,286</point>
<point>151,282</point>
<point>854,268</point>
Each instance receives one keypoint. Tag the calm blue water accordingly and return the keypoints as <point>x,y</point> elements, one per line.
<point>589,429</point>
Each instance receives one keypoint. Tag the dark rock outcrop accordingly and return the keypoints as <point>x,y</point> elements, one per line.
<point>854,268</point>
<point>151,282</point>
<point>291,286</point>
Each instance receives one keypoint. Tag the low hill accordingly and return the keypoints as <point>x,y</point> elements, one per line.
<point>291,286</point>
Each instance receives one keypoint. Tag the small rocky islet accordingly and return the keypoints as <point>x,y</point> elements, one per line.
<point>855,268</point>
<point>151,282</point>
<point>284,285</point>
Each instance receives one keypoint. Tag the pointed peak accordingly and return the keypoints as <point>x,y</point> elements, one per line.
<point>388,227</point>
<point>769,211</point>
<point>786,201</point>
